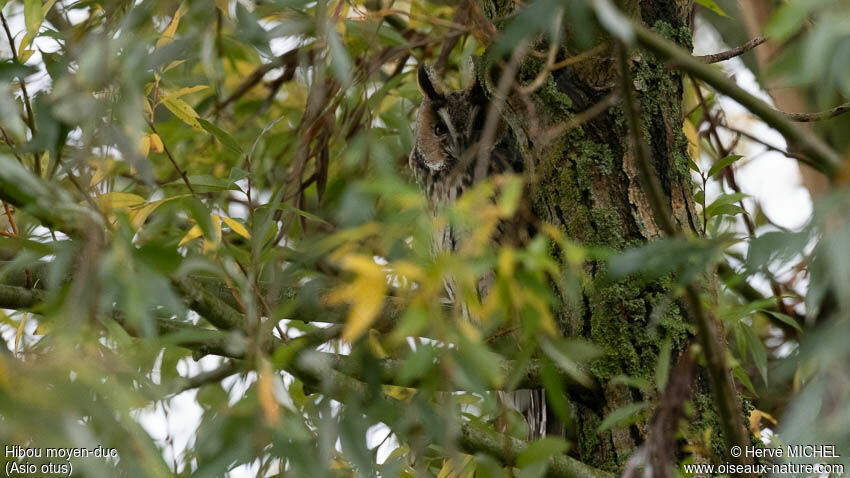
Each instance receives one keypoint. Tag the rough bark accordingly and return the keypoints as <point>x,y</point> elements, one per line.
<point>586,182</point>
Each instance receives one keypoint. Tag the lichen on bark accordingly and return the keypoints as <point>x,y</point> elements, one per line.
<point>586,183</point>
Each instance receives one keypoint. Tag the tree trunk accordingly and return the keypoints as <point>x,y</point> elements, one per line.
<point>586,183</point>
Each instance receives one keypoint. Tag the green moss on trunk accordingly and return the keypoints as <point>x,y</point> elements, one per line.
<point>586,182</point>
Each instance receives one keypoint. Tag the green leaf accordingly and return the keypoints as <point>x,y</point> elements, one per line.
<point>775,246</point>
<point>757,351</point>
<point>541,450</point>
<point>182,110</point>
<point>785,319</point>
<point>566,356</point>
<point>713,6</point>
<point>341,63</point>
<point>535,17</point>
<point>206,183</point>
<point>613,20</point>
<point>662,369</point>
<point>724,210</point>
<point>686,257</point>
<point>250,31</point>
<point>742,377</point>
<point>725,205</point>
<point>693,165</point>
<point>33,15</point>
<point>789,17</point>
<point>622,415</point>
<point>722,163</point>
<point>699,197</point>
<point>633,382</point>
<point>302,213</point>
<point>10,70</point>
<point>226,140</point>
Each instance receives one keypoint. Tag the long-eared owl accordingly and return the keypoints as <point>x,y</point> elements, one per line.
<point>448,132</point>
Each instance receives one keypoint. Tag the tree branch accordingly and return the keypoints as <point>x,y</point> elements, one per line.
<point>822,115</point>
<point>51,205</point>
<point>212,376</point>
<point>471,439</point>
<point>15,298</point>
<point>213,342</point>
<point>734,52</point>
<point>209,306</point>
<point>825,158</point>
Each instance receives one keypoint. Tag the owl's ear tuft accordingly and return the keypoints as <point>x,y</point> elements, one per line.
<point>469,76</point>
<point>471,83</point>
<point>429,84</point>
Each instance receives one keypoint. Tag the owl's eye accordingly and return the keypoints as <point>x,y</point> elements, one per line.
<point>439,129</point>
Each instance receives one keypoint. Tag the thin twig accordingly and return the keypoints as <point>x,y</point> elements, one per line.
<point>734,52</point>
<point>171,158</point>
<point>11,144</point>
<point>580,57</point>
<point>550,60</point>
<point>494,111</point>
<point>581,118</point>
<point>821,115</point>
<point>27,105</point>
<point>14,227</point>
<point>229,368</point>
<point>751,137</point>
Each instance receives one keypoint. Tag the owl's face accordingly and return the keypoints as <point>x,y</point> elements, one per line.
<point>449,122</point>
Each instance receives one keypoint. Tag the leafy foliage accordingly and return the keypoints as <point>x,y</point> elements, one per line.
<point>208,202</point>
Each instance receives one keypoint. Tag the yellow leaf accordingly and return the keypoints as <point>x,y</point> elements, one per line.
<point>173,64</point>
<point>446,470</point>
<point>47,6</point>
<point>5,375</point>
<point>456,469</point>
<point>102,168</point>
<point>145,145</point>
<point>170,30</point>
<point>399,393</point>
<point>25,55</point>
<point>375,345</point>
<point>156,143</point>
<point>693,140</point>
<point>408,271</point>
<point>506,262</point>
<point>193,233</point>
<point>224,6</point>
<point>20,332</point>
<point>265,393</point>
<point>236,227</point>
<point>148,108</point>
<point>42,329</point>
<point>185,91</point>
<point>211,244</point>
<point>118,201</point>
<point>365,295</point>
<point>139,214</point>
<point>755,421</point>
<point>182,110</point>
